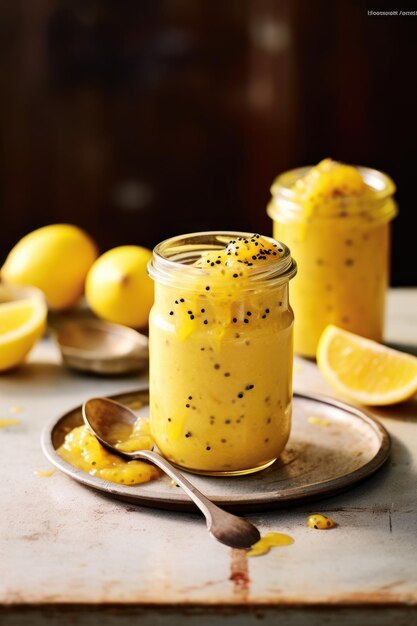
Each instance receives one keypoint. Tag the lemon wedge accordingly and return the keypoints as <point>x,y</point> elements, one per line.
<point>22,323</point>
<point>365,370</point>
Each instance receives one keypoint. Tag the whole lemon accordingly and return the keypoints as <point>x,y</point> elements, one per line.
<point>56,259</point>
<point>118,288</point>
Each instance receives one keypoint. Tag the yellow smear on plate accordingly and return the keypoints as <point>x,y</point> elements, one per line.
<point>318,421</point>
<point>135,405</point>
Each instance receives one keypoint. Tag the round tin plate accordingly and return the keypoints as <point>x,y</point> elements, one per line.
<point>332,447</point>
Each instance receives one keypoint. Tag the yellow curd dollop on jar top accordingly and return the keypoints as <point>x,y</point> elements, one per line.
<point>81,449</point>
<point>221,352</point>
<point>335,218</point>
<point>321,189</point>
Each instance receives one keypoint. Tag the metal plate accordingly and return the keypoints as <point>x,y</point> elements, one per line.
<point>342,447</point>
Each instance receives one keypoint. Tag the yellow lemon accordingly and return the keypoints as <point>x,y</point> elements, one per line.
<point>118,288</point>
<point>365,370</point>
<point>54,258</point>
<point>22,323</point>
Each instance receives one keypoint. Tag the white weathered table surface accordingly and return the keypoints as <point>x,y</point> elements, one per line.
<point>69,554</point>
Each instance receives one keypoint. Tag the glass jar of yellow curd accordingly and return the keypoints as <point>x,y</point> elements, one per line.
<point>220,351</point>
<point>335,218</point>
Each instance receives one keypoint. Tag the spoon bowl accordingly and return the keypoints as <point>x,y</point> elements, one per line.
<point>102,414</point>
<point>91,345</point>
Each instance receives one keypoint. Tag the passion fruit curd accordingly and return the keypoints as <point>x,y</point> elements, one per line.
<point>335,218</point>
<point>221,351</point>
<point>81,449</point>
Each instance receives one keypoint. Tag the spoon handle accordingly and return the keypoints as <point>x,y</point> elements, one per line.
<point>227,528</point>
<point>207,507</point>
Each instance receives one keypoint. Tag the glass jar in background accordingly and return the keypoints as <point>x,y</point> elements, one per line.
<point>221,351</point>
<point>335,218</point>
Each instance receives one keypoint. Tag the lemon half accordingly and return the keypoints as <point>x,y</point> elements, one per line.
<point>22,323</point>
<point>364,370</point>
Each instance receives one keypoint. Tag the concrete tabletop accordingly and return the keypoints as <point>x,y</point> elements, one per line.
<point>70,555</point>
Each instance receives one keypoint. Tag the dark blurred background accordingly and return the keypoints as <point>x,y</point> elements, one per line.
<point>141,119</point>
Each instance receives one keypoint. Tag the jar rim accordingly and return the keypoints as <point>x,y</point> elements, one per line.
<point>382,185</point>
<point>173,258</point>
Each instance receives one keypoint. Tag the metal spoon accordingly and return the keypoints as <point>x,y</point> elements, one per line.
<point>91,345</point>
<point>100,414</point>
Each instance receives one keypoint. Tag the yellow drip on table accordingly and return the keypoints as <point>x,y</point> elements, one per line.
<point>8,421</point>
<point>320,522</point>
<point>268,541</point>
<point>81,449</point>
<point>44,473</point>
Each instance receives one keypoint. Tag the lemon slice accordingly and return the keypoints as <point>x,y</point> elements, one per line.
<point>22,323</point>
<point>365,370</point>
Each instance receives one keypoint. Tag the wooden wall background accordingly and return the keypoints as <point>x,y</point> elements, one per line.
<point>140,119</point>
